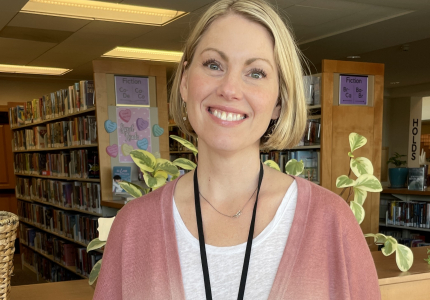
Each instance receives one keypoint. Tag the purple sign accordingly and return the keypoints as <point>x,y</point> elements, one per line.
<point>353,90</point>
<point>132,91</point>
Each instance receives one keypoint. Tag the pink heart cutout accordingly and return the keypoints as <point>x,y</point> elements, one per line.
<point>112,150</point>
<point>125,115</point>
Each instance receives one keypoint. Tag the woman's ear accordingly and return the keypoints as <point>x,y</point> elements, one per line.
<point>183,88</point>
<point>276,112</point>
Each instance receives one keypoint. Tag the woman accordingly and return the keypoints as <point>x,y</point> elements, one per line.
<point>234,229</point>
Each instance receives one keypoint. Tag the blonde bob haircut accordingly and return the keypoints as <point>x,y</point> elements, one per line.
<point>288,129</point>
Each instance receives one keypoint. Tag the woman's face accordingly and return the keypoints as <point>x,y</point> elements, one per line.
<point>231,87</point>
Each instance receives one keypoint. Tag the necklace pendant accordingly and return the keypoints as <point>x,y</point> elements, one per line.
<point>237,215</point>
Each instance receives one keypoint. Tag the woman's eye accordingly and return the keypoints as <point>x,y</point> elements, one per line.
<point>257,74</point>
<point>212,64</point>
<point>213,67</point>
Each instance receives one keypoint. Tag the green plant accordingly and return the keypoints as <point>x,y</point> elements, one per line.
<point>396,160</point>
<point>428,259</point>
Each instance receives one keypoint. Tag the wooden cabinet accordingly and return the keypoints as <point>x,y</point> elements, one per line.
<point>7,178</point>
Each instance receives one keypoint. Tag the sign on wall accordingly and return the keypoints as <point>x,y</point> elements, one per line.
<point>131,91</point>
<point>353,89</point>
<point>134,131</point>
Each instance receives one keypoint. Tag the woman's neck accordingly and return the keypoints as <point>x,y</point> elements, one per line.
<point>228,178</point>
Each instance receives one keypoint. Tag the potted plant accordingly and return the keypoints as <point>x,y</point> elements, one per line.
<point>397,175</point>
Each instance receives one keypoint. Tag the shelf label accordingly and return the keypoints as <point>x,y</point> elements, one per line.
<point>353,90</point>
<point>131,91</point>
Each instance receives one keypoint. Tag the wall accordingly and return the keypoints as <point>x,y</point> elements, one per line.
<point>396,125</point>
<point>14,89</point>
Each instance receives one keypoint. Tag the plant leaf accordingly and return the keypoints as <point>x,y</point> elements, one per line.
<point>161,174</point>
<point>133,189</point>
<point>350,154</point>
<point>185,143</point>
<point>166,166</point>
<point>294,167</point>
<point>379,238</point>
<point>358,211</point>
<point>95,244</point>
<point>359,195</point>
<point>404,257</point>
<point>360,166</point>
<point>344,181</point>
<point>95,272</point>
<point>356,141</point>
<point>272,164</point>
<point>143,159</point>
<point>153,182</point>
<point>390,246</point>
<point>368,182</point>
<point>184,163</point>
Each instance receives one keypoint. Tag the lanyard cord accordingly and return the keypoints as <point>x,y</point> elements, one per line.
<point>202,239</point>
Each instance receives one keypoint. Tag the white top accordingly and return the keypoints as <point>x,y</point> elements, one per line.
<point>225,263</point>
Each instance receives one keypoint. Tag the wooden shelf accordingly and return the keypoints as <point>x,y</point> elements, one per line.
<point>61,178</point>
<point>306,147</point>
<point>57,148</point>
<point>21,219</point>
<point>314,106</point>
<point>405,227</point>
<point>312,117</point>
<point>51,258</point>
<point>405,191</point>
<point>118,204</point>
<point>54,119</point>
<point>61,207</point>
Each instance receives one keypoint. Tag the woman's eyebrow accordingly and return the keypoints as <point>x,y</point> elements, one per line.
<point>222,54</point>
<point>251,60</point>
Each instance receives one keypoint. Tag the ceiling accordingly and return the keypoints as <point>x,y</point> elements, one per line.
<point>376,30</point>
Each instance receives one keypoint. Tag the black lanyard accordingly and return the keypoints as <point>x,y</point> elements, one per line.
<point>202,240</point>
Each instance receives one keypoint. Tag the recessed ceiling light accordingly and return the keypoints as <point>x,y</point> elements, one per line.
<point>33,70</point>
<point>395,82</point>
<point>104,11</point>
<point>353,56</point>
<point>144,54</point>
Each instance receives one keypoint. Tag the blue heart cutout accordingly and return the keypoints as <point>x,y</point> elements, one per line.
<point>110,126</point>
<point>157,130</point>
<point>143,144</point>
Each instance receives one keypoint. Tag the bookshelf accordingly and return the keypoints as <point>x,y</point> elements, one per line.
<point>56,167</point>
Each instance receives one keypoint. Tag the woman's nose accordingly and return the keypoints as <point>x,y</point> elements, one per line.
<point>230,86</point>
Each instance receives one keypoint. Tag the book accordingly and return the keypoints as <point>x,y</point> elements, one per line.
<point>120,174</point>
<point>416,179</point>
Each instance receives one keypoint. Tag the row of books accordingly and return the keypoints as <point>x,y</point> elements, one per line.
<point>49,270</point>
<point>81,163</point>
<point>79,227</point>
<point>312,86</point>
<point>310,158</point>
<point>409,214</point>
<point>63,252</point>
<point>312,134</point>
<point>79,195</point>
<point>75,132</point>
<point>410,240</point>
<point>78,97</point>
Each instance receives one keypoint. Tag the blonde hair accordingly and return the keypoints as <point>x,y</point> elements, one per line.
<point>288,129</point>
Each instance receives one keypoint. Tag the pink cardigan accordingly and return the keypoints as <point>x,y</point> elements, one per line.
<point>326,255</point>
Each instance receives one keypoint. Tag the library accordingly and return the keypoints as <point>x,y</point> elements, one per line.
<point>102,102</point>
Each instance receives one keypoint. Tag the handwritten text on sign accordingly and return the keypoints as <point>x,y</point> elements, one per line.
<point>353,90</point>
<point>131,90</point>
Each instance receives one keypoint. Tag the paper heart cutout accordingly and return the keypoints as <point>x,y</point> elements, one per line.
<point>141,124</point>
<point>110,126</point>
<point>143,144</point>
<point>157,130</point>
<point>126,149</point>
<point>112,150</point>
<point>125,115</point>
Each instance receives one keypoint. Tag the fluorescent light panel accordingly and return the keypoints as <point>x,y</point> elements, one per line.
<point>32,70</point>
<point>144,54</point>
<point>104,11</point>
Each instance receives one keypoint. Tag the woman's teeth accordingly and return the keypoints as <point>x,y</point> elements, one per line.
<point>227,116</point>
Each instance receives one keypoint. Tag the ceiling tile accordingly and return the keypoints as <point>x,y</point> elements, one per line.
<point>13,51</point>
<point>182,5</point>
<point>34,34</point>
<point>47,22</point>
<point>8,9</point>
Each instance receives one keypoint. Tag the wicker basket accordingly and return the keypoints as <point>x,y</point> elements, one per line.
<point>8,225</point>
